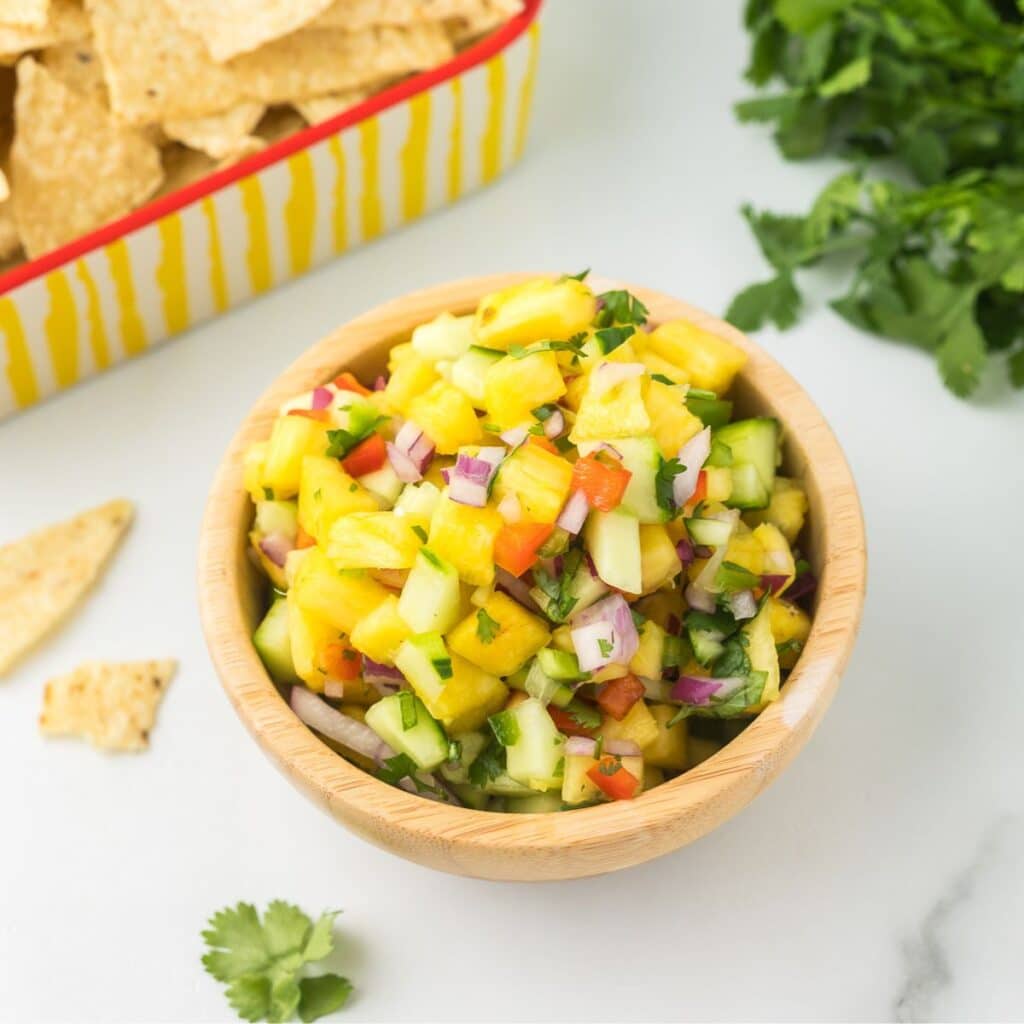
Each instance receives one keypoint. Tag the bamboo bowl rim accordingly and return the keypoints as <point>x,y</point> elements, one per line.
<point>588,840</point>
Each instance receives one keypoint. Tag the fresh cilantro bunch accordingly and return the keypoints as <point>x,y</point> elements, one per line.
<point>936,88</point>
<point>262,962</point>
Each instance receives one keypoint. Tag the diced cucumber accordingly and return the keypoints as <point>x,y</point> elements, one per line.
<point>469,369</point>
<point>277,517</point>
<point>540,685</point>
<point>424,661</point>
<point>711,533</point>
<point>471,743</point>
<point>471,796</point>
<point>383,484</point>
<point>536,759</point>
<point>538,803</point>
<point>562,666</point>
<point>642,457</point>
<point>557,544</point>
<point>505,785</point>
<point>444,337</point>
<point>613,540</point>
<point>418,501</point>
<point>707,645</point>
<point>431,600</point>
<point>731,578</point>
<point>405,725</point>
<point>272,641</point>
<point>712,412</point>
<point>753,443</point>
<point>584,588</point>
<point>649,657</point>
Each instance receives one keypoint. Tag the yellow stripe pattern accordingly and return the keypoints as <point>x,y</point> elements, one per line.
<point>20,374</point>
<point>170,273</point>
<point>455,144</point>
<point>370,203</point>
<point>490,147</point>
<point>300,212</point>
<point>98,341</point>
<point>414,158</point>
<point>526,91</point>
<point>61,330</point>
<point>339,219</point>
<point>218,278</point>
<point>133,330</point>
<point>257,255</point>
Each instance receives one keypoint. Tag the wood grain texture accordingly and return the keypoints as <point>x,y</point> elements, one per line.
<point>533,847</point>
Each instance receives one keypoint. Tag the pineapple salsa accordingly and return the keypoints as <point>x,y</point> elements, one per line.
<point>538,565</point>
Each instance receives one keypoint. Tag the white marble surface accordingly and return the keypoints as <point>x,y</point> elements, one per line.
<point>878,879</point>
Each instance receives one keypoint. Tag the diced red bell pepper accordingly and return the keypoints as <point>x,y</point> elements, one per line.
<point>320,415</point>
<point>700,491</point>
<point>566,724</point>
<point>618,696</point>
<point>342,662</point>
<point>367,456</point>
<point>613,780</point>
<point>543,442</point>
<point>603,485</point>
<point>349,382</point>
<point>304,540</point>
<point>517,545</point>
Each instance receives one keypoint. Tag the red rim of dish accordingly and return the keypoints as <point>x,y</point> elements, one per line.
<point>145,215</point>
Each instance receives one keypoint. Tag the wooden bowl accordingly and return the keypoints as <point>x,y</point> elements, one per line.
<point>591,840</point>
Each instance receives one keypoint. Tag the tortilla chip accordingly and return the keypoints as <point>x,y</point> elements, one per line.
<point>110,704</point>
<point>230,27</point>
<point>5,188</point>
<point>469,26</point>
<point>157,71</point>
<point>353,15</point>
<point>66,21</point>
<point>74,166</point>
<point>75,63</point>
<point>10,240</point>
<point>24,13</point>
<point>220,135</point>
<point>45,575</point>
<point>323,108</point>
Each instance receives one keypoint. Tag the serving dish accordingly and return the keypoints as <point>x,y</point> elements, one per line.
<point>582,842</point>
<point>116,292</point>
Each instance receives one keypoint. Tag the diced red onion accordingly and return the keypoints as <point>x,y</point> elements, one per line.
<point>514,587</point>
<point>446,474</point>
<point>615,625</point>
<point>684,549</point>
<point>554,424</point>
<point>580,746</point>
<point>276,547</point>
<point>405,469</point>
<point>803,586</point>
<point>701,599</point>
<point>471,479</point>
<point>515,436</point>
<point>380,383</point>
<point>696,690</point>
<point>411,440</point>
<point>692,455</point>
<point>742,605</point>
<point>574,513</point>
<point>322,398</point>
<point>773,582</point>
<point>702,551</point>
<point>334,725</point>
<point>379,675</point>
<point>466,492</point>
<point>509,508</point>
<point>609,375</point>
<point>622,748</point>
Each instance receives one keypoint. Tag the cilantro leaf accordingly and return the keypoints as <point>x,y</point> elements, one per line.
<point>581,276</point>
<point>606,647</point>
<point>322,995</point>
<point>486,627</point>
<point>668,470</point>
<point>489,763</point>
<point>776,301</point>
<point>574,345</point>
<point>734,660</point>
<point>621,307</point>
<point>610,338</point>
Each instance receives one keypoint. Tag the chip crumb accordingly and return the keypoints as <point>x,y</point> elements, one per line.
<point>113,705</point>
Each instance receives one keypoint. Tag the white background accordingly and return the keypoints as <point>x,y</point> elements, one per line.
<point>828,898</point>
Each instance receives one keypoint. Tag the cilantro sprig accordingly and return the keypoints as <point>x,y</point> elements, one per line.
<point>620,307</point>
<point>262,962</point>
<point>486,627</point>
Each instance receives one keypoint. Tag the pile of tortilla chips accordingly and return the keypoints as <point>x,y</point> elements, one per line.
<point>105,104</point>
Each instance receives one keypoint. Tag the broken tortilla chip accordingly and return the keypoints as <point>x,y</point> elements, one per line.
<point>66,21</point>
<point>352,15</point>
<point>75,63</point>
<point>10,241</point>
<point>220,135</point>
<point>110,704</point>
<point>61,140</point>
<point>230,27</point>
<point>44,576</point>
<point>24,13</point>
<point>323,108</point>
<point>157,71</point>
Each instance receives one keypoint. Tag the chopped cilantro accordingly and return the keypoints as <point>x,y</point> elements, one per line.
<point>733,661</point>
<point>662,379</point>
<point>621,307</point>
<point>268,493</point>
<point>606,647</point>
<point>563,444</point>
<point>486,627</point>
<point>668,470</point>
<point>542,412</point>
<point>792,644</point>
<point>489,764</point>
<point>407,705</point>
<point>362,422</point>
<point>420,532</point>
<point>609,765</point>
<point>583,714</point>
<point>574,345</point>
<point>610,338</point>
<point>581,276</point>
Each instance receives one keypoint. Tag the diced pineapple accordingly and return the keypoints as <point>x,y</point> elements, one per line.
<point>718,481</point>
<point>778,558</point>
<point>538,478</point>
<point>465,536</point>
<point>659,561</point>
<point>252,469</point>
<point>708,360</point>
<point>786,509</point>
<point>656,364</point>
<point>411,375</point>
<point>669,749</point>
<point>309,636</point>
<point>763,656</point>
<point>664,607</point>
<point>576,785</point>
<point>517,637</point>
<point>444,337</point>
<point>379,634</point>
<point>561,639</point>
<point>340,598</point>
<point>447,417</point>
<point>534,311</point>
<point>619,412</point>
<point>672,424</point>
<point>639,726</point>
<point>291,440</point>
<point>575,388</point>
<point>327,492</point>
<point>513,387</point>
<point>373,540</point>
<point>466,699</point>
<point>647,660</point>
<point>745,550</point>
<point>791,626</point>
